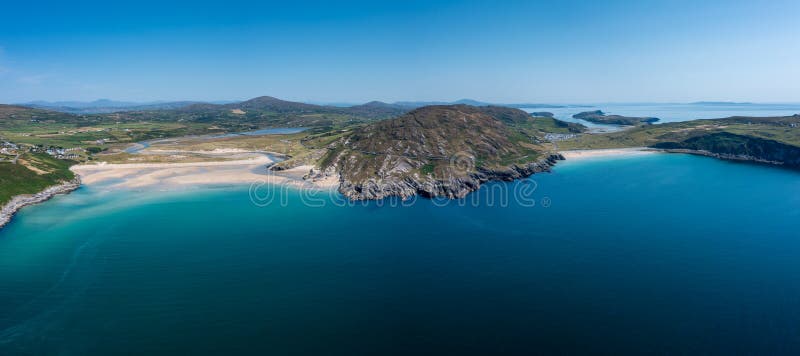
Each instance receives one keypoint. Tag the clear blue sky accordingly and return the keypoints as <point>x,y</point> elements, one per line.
<point>501,51</point>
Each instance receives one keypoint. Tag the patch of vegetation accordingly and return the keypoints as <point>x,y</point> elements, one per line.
<point>94,149</point>
<point>551,125</point>
<point>18,178</point>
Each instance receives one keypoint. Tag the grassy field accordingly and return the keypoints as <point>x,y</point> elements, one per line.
<point>70,135</point>
<point>49,128</point>
<point>33,173</point>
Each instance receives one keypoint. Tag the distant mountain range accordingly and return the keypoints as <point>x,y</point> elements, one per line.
<point>104,106</point>
<point>373,108</point>
<point>270,105</point>
<point>418,104</point>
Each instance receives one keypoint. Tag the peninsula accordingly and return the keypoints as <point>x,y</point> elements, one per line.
<point>437,151</point>
<point>773,140</point>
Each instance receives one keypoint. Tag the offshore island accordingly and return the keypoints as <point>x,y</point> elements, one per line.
<point>370,151</point>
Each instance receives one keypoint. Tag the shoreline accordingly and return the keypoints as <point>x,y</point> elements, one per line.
<point>177,175</point>
<point>169,176</point>
<point>727,157</point>
<point>451,188</point>
<point>20,201</point>
<point>607,152</point>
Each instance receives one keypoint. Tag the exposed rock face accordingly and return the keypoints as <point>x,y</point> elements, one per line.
<point>428,186</point>
<point>436,151</point>
<point>599,117</point>
<point>730,146</point>
<point>21,201</point>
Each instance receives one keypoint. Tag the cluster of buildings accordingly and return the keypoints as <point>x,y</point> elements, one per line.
<point>554,137</point>
<point>8,148</point>
<point>64,153</point>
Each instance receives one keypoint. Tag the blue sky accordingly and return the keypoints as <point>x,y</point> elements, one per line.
<point>355,51</point>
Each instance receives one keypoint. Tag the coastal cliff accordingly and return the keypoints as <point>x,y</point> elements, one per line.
<point>428,186</point>
<point>436,151</point>
<point>725,145</point>
<point>20,201</point>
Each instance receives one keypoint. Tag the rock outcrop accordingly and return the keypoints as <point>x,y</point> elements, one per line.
<point>725,145</point>
<point>428,186</point>
<point>21,201</point>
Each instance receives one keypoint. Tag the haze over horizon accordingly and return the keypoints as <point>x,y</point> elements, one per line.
<point>358,51</point>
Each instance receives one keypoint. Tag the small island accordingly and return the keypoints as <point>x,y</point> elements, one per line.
<point>599,117</point>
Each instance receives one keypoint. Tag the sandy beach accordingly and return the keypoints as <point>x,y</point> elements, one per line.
<point>581,154</point>
<point>171,175</point>
<point>243,171</point>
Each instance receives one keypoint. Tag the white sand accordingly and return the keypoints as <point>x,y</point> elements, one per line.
<point>300,171</point>
<point>167,175</point>
<point>579,154</point>
<point>215,151</point>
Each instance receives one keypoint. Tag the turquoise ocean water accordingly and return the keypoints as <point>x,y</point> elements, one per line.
<point>657,253</point>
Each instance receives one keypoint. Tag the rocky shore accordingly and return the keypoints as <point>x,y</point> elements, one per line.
<point>729,146</point>
<point>21,201</point>
<point>728,157</point>
<point>426,186</point>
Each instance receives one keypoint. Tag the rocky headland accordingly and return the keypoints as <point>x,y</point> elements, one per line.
<point>436,151</point>
<point>20,201</point>
<point>729,146</point>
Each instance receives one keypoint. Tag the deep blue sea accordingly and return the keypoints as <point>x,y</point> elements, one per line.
<point>660,253</point>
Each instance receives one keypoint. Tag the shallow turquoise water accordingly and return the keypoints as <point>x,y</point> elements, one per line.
<point>659,253</point>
